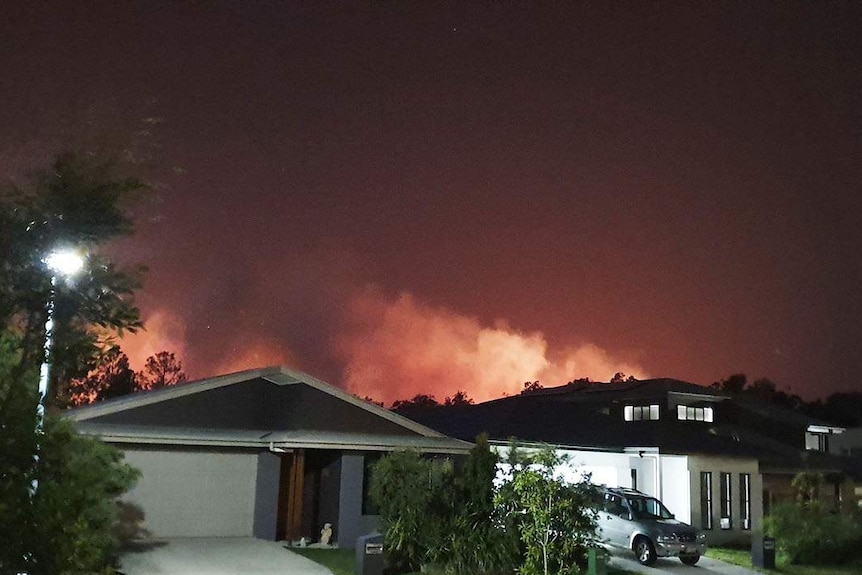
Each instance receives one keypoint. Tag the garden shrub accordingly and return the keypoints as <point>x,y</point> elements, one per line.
<point>554,519</point>
<point>67,526</point>
<point>439,516</point>
<point>411,494</point>
<point>811,532</point>
<point>475,542</point>
<point>451,519</point>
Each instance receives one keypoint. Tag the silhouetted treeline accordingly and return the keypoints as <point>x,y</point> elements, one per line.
<point>844,409</point>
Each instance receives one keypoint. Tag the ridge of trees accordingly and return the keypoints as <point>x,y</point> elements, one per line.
<point>426,401</point>
<point>841,408</point>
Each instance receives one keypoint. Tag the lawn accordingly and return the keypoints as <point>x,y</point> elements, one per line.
<point>339,561</point>
<point>342,561</point>
<point>743,558</point>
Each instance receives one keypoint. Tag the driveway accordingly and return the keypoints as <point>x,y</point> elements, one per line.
<point>672,566</point>
<point>217,556</point>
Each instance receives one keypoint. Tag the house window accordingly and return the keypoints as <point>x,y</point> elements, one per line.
<point>640,412</point>
<point>745,500</point>
<point>706,499</point>
<point>816,441</point>
<point>726,513</point>
<point>634,478</point>
<point>689,413</point>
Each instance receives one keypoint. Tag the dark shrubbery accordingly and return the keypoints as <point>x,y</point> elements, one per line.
<point>452,518</point>
<point>69,525</point>
<point>810,532</point>
<point>433,513</point>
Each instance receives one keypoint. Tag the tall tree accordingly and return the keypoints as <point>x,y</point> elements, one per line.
<point>734,384</point>
<point>460,398</point>
<point>161,370</point>
<point>112,377</point>
<point>79,203</point>
<point>762,389</point>
<point>530,386</point>
<point>64,526</point>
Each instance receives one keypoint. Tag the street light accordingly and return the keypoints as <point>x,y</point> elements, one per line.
<point>62,263</point>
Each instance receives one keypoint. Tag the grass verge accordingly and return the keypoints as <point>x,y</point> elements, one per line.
<point>742,558</point>
<point>342,561</point>
<point>339,561</point>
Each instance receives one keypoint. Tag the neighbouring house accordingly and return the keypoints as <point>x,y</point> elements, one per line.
<point>849,445</point>
<point>716,462</point>
<point>271,453</point>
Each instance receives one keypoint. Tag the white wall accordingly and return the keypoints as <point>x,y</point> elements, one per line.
<point>663,476</point>
<point>675,488</point>
<point>604,468</point>
<point>186,493</point>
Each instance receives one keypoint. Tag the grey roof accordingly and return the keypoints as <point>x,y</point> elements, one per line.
<point>275,407</point>
<point>308,439</point>
<point>589,415</point>
<point>596,391</point>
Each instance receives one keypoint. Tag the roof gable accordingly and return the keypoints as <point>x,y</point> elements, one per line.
<point>272,399</point>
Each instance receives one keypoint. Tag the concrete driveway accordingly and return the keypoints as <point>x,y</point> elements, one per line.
<point>672,566</point>
<point>217,556</point>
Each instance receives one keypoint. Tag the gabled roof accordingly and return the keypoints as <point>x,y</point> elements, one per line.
<point>585,426</point>
<point>590,416</point>
<point>274,406</point>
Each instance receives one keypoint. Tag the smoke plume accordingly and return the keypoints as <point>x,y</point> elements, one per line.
<point>397,349</point>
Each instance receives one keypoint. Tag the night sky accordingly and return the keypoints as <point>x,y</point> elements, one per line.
<point>405,197</point>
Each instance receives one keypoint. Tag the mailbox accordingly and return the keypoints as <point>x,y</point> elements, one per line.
<point>369,554</point>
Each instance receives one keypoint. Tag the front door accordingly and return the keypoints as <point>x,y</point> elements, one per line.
<point>291,485</point>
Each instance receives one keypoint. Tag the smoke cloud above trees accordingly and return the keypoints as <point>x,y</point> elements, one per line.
<point>394,347</point>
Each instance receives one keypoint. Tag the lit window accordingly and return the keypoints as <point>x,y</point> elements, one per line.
<point>745,500</point>
<point>816,441</point>
<point>706,499</point>
<point>640,412</point>
<point>726,513</point>
<point>689,413</point>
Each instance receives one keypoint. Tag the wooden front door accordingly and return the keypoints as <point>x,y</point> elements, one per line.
<point>290,496</point>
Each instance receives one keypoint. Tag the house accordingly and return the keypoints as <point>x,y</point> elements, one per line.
<point>271,453</point>
<point>716,462</point>
<point>849,445</point>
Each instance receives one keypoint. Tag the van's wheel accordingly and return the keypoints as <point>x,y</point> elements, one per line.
<point>644,551</point>
<point>689,559</point>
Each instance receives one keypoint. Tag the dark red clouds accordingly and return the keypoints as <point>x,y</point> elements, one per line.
<point>676,185</point>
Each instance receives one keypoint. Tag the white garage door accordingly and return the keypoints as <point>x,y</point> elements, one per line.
<point>194,493</point>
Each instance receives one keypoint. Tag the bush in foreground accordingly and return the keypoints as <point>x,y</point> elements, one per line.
<point>67,526</point>
<point>810,532</point>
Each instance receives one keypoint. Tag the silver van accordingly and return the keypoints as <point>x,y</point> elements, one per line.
<point>633,520</point>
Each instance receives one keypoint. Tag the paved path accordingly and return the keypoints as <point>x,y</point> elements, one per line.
<point>673,566</point>
<point>217,556</point>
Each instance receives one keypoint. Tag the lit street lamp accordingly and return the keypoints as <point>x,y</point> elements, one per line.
<point>62,263</point>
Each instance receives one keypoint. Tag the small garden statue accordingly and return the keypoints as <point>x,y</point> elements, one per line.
<point>326,534</point>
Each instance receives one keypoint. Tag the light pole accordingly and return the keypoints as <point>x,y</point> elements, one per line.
<point>65,263</point>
